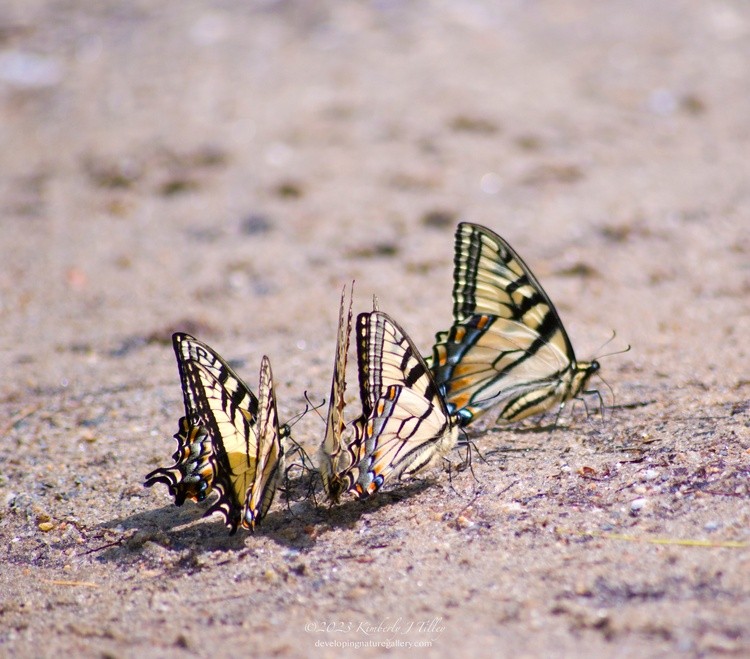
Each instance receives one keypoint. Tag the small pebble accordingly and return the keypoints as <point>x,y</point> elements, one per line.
<point>270,576</point>
<point>582,589</point>
<point>255,224</point>
<point>638,504</point>
<point>463,522</point>
<point>356,593</point>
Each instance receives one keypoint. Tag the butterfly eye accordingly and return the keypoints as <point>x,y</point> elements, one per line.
<point>464,417</point>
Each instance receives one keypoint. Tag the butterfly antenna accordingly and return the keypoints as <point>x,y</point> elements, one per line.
<point>309,406</point>
<point>313,407</point>
<point>616,352</point>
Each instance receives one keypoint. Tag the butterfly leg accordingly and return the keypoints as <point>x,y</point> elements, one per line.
<point>293,482</point>
<point>592,392</point>
<point>559,414</point>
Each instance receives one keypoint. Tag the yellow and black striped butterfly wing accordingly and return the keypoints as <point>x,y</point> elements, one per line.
<point>408,426</point>
<point>507,346</point>
<point>218,400</point>
<point>190,353</point>
<point>196,463</point>
<point>487,361</point>
<point>405,434</point>
<point>339,451</point>
<point>233,432</point>
<point>490,278</point>
<point>194,471</point>
<point>269,457</point>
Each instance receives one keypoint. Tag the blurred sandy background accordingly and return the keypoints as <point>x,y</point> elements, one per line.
<point>225,168</point>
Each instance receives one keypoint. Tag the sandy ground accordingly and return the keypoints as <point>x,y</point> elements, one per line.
<point>225,168</point>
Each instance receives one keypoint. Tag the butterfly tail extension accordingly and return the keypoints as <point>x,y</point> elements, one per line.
<point>226,504</point>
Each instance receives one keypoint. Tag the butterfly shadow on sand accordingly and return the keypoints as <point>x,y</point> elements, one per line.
<point>184,529</point>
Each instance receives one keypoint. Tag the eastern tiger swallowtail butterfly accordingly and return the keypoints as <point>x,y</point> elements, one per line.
<point>407,425</point>
<point>229,439</point>
<point>338,455</point>
<point>507,346</point>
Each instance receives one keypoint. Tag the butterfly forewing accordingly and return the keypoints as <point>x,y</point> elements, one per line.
<point>491,278</point>
<point>233,432</point>
<point>191,352</point>
<point>269,454</point>
<point>388,356</point>
<point>339,453</point>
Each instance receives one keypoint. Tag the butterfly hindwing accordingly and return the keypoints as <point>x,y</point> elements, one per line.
<point>507,346</point>
<point>193,474</point>
<point>408,425</point>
